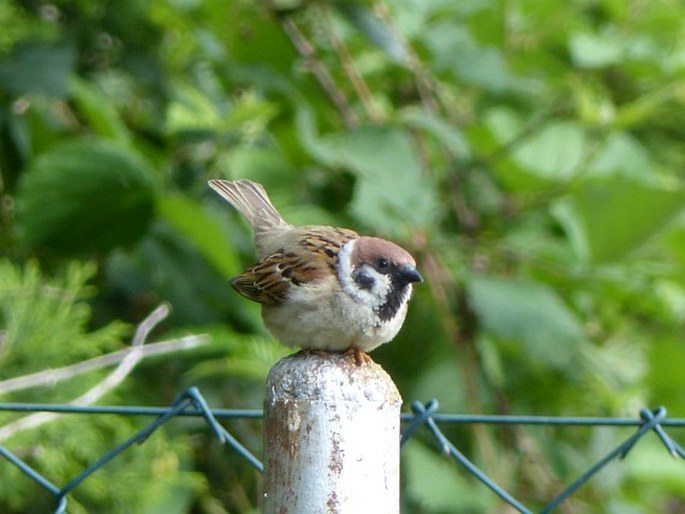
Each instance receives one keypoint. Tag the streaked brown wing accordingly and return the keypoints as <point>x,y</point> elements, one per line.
<point>325,240</point>
<point>263,282</point>
<point>312,254</point>
<point>270,280</point>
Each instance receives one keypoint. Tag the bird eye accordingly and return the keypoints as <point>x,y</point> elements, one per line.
<point>382,264</point>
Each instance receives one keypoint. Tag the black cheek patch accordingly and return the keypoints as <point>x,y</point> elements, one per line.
<point>364,281</point>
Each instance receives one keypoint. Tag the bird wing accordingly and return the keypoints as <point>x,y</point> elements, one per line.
<point>312,256</point>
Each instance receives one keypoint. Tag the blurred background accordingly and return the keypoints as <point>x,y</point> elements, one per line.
<point>529,154</point>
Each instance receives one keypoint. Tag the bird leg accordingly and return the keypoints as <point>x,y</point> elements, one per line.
<point>314,351</point>
<point>359,355</point>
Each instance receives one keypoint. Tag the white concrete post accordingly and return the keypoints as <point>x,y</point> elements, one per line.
<point>332,437</point>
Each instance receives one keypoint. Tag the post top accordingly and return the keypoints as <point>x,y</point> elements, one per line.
<point>333,377</point>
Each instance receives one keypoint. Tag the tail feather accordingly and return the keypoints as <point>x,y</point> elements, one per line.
<point>251,200</point>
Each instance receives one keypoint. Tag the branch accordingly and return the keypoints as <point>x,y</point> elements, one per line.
<point>425,84</point>
<point>127,359</point>
<point>306,51</point>
<point>54,376</point>
<point>134,356</point>
<point>350,69</point>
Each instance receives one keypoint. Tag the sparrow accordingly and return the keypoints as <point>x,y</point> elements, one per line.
<point>321,288</point>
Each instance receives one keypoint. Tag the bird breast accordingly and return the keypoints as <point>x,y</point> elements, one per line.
<point>325,317</point>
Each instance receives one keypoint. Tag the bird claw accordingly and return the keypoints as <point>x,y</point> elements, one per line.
<point>314,351</point>
<point>359,355</point>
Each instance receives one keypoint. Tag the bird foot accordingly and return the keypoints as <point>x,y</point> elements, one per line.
<point>314,351</point>
<point>359,355</point>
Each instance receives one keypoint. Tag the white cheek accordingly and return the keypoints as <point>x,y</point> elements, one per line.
<point>374,297</point>
<point>345,268</point>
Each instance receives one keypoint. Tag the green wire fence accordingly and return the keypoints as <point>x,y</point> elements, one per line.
<point>191,403</point>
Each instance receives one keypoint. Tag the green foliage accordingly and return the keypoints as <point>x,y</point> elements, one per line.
<point>45,319</point>
<point>38,68</point>
<point>532,316</point>
<point>435,485</point>
<point>611,218</point>
<point>85,195</point>
<point>388,178</point>
<point>528,154</point>
<point>45,322</point>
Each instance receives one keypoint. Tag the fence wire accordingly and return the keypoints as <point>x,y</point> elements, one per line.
<point>192,403</point>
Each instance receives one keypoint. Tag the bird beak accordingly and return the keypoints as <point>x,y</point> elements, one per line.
<point>409,274</point>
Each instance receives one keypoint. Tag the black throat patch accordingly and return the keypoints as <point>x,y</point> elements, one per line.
<point>396,297</point>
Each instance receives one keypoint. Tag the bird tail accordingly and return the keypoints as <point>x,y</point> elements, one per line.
<point>251,200</point>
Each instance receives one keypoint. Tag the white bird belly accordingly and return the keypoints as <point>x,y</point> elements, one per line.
<point>326,318</point>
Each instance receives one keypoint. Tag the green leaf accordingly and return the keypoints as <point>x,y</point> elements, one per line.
<point>555,152</point>
<point>504,124</point>
<point>623,154</point>
<point>99,111</point>
<point>192,110</point>
<point>445,132</point>
<point>528,313</point>
<point>442,382</point>
<point>265,44</point>
<point>499,128</point>
<point>595,51</point>
<point>308,135</point>
<point>457,52</point>
<point>364,20</point>
<point>389,175</point>
<point>203,230</point>
<point>38,68</point>
<point>666,381</point>
<point>650,466</point>
<point>85,195</point>
<point>609,219</point>
<point>264,165</point>
<point>436,484</point>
